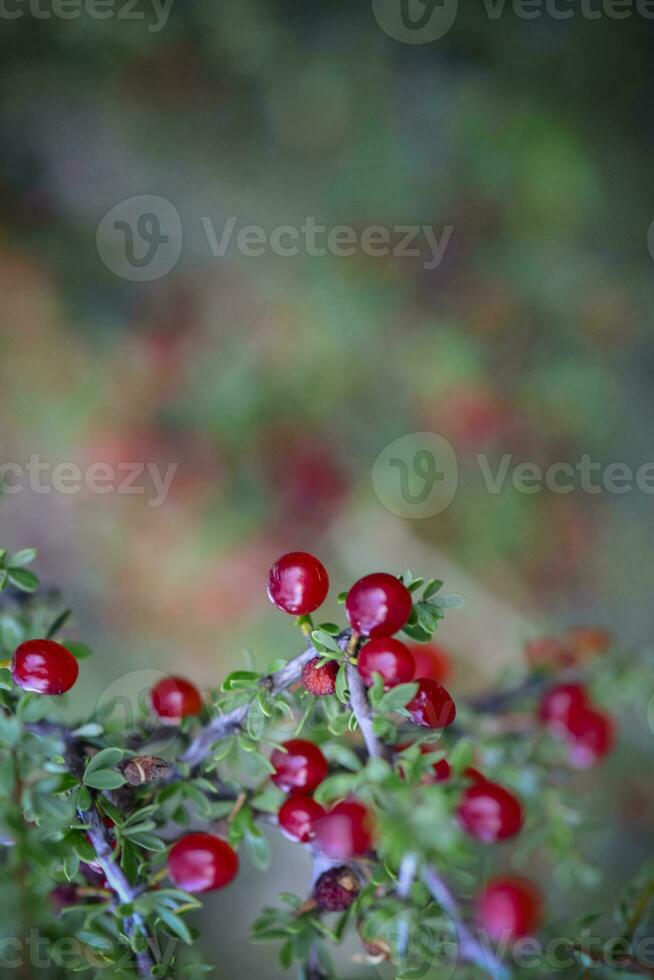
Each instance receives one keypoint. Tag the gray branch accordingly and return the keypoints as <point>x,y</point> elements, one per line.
<point>362,711</point>
<point>470,948</point>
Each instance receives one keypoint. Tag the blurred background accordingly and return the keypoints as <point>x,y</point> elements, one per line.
<point>266,386</point>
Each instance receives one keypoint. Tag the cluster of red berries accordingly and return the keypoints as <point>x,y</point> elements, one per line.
<point>569,714</point>
<point>377,606</point>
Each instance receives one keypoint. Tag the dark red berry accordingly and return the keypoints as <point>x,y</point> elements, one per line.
<point>490,813</point>
<point>202,863</point>
<point>336,889</point>
<point>590,737</point>
<point>431,660</point>
<point>173,698</point>
<point>298,583</point>
<point>300,768</point>
<point>378,605</point>
<point>346,831</point>
<point>63,895</point>
<point>44,667</point>
<point>509,908</point>
<point>559,703</point>
<point>388,657</point>
<point>320,680</point>
<point>431,706</point>
<point>298,816</point>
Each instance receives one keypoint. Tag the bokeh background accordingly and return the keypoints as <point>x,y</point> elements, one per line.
<point>275,382</point>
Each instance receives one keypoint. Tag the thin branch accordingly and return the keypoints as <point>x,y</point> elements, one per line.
<point>225,724</point>
<point>470,949</point>
<point>362,711</point>
<point>119,885</point>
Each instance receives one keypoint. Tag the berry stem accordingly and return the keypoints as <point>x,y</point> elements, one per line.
<point>470,949</point>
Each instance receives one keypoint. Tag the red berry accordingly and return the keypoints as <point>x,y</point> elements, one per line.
<point>202,863</point>
<point>320,680</point>
<point>300,768</point>
<point>559,703</point>
<point>346,831</point>
<point>297,818</point>
<point>432,706</point>
<point>336,889</point>
<point>442,771</point>
<point>173,698</point>
<point>588,641</point>
<point>378,605</point>
<point>509,908</point>
<point>298,583</point>
<point>431,660</point>
<point>590,736</point>
<point>44,667</point>
<point>388,657</point>
<point>490,813</point>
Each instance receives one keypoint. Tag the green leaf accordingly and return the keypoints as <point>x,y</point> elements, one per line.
<point>451,601</point>
<point>324,641</point>
<point>240,680</point>
<point>23,557</point>
<point>341,685</point>
<point>461,756</point>
<point>398,697</point>
<point>104,779</point>
<point>104,759</point>
<point>335,787</point>
<point>22,579</point>
<point>79,650</point>
<point>433,586</point>
<point>258,850</point>
<point>176,925</point>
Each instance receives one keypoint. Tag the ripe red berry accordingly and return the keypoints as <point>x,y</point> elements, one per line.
<point>378,605</point>
<point>490,813</point>
<point>298,583</point>
<point>388,657</point>
<point>509,908</point>
<point>297,818</point>
<point>44,667</point>
<point>202,863</point>
<point>320,680</point>
<point>432,706</point>
<point>336,889</point>
<point>173,698</point>
<point>346,831</point>
<point>590,736</point>
<point>559,704</point>
<point>431,660</point>
<point>300,768</point>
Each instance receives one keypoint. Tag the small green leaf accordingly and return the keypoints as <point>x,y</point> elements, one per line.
<point>22,579</point>
<point>341,685</point>
<point>23,557</point>
<point>258,850</point>
<point>104,779</point>
<point>433,586</point>
<point>176,925</point>
<point>104,759</point>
